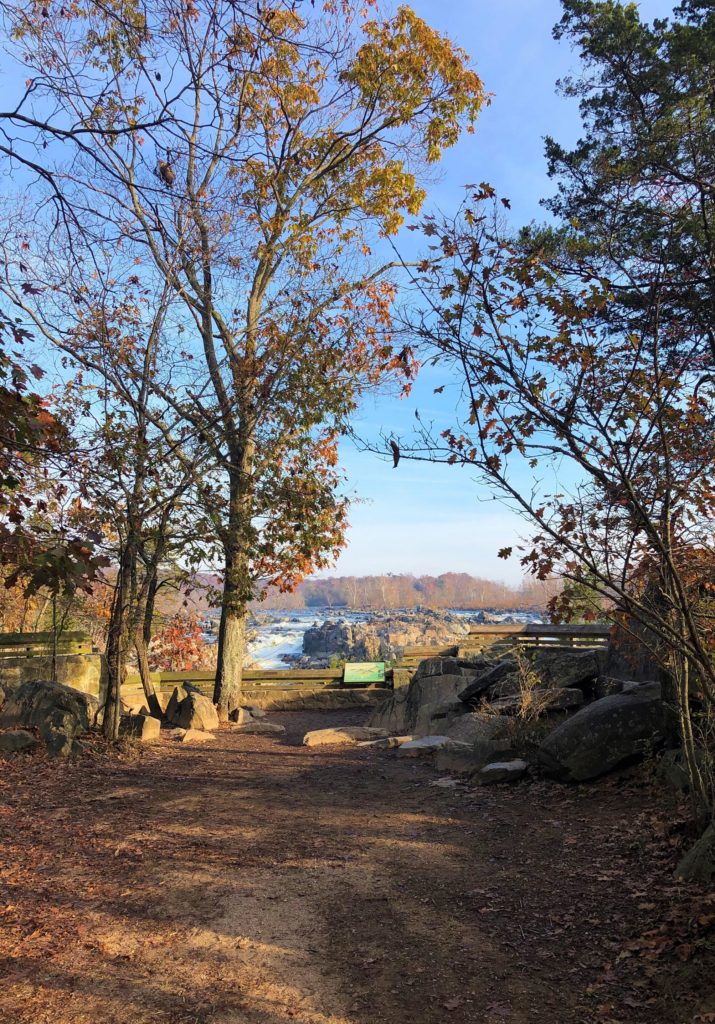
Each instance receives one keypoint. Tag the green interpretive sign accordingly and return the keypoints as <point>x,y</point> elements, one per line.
<point>360,672</point>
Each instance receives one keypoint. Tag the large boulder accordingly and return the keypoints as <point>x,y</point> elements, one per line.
<point>391,714</point>
<point>605,734</point>
<point>59,713</point>
<point>558,669</point>
<point>553,669</point>
<point>477,738</point>
<point>476,727</point>
<point>196,712</point>
<point>426,697</point>
<point>432,695</point>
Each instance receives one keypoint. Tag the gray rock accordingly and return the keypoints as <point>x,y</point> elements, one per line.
<point>647,688</point>
<point>606,685</point>
<point>172,708</point>
<point>254,727</point>
<point>476,727</point>
<point>555,669</point>
<point>388,743</point>
<point>391,714</point>
<point>439,666</point>
<point>604,734</point>
<point>426,745</point>
<point>558,669</point>
<point>501,771</point>
<point>475,661</point>
<point>140,727</point>
<point>433,719</point>
<point>401,677</point>
<point>134,706</point>
<point>195,736</point>
<point>487,679</point>
<point>417,702</point>
<point>698,864</point>
<point>59,713</point>
<point>458,759</point>
<point>253,710</point>
<point>425,694</point>
<point>196,712</point>
<point>15,740</point>
<point>349,735</point>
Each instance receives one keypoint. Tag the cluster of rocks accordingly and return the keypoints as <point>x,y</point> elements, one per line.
<point>382,637</point>
<point>43,712</point>
<point>497,718</point>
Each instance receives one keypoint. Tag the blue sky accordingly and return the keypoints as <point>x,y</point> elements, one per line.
<point>431,519</point>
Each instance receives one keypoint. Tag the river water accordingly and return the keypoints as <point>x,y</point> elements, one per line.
<point>281,633</point>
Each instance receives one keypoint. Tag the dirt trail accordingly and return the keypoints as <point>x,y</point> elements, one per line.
<point>254,881</point>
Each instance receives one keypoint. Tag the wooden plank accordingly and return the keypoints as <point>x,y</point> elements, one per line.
<point>508,629</point>
<point>568,629</point>
<point>430,652</point>
<point>542,629</point>
<point>249,675</point>
<point>298,673</point>
<point>20,639</point>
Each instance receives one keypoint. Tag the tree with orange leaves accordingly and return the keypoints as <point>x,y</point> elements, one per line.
<point>275,146</point>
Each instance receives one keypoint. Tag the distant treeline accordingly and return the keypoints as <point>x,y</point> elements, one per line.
<point>450,590</point>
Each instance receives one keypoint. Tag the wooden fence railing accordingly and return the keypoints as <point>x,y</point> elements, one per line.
<point>539,635</point>
<point>533,635</point>
<point>40,645</point>
<point>544,634</point>
<point>252,679</point>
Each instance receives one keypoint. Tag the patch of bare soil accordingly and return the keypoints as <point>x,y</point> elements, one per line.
<point>254,881</point>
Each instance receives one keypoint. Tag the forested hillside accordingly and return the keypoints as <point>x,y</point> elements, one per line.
<point>449,590</point>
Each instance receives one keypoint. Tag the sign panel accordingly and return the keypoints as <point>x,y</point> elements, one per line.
<point>361,672</point>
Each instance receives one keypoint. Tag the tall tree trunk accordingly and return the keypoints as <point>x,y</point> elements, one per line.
<point>232,636</point>
<point>117,642</point>
<point>142,640</point>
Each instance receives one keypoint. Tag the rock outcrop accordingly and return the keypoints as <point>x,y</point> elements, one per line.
<point>431,694</point>
<point>381,637</point>
<point>605,734</point>
<point>59,713</point>
<point>553,669</point>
